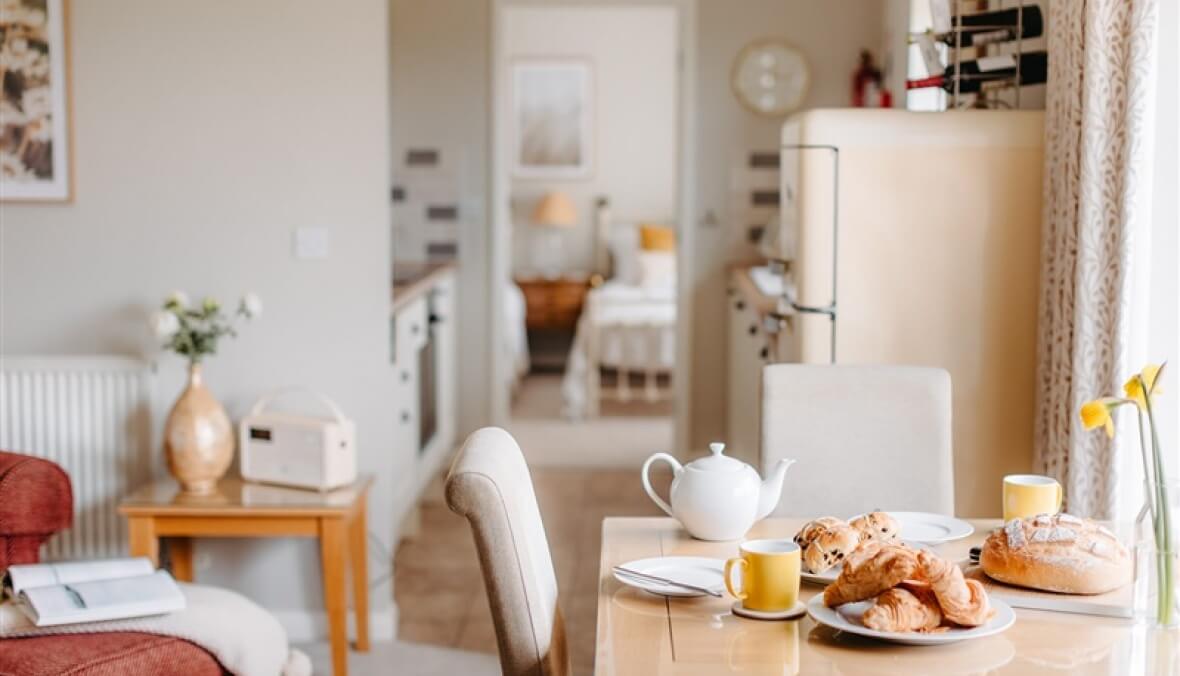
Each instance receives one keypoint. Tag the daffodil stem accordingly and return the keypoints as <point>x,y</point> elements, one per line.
<point>1148,485</point>
<point>1165,605</point>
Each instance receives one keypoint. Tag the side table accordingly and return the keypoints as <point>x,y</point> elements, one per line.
<point>160,511</point>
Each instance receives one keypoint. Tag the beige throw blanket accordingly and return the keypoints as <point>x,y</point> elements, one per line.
<point>245,639</point>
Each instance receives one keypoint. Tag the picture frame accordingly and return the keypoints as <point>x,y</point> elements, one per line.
<point>552,118</point>
<point>36,162</point>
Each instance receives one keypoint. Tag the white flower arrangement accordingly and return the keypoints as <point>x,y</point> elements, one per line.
<point>193,332</point>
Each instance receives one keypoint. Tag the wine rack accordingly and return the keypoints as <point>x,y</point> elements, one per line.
<point>991,90</point>
<point>1003,92</point>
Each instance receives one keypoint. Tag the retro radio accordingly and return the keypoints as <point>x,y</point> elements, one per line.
<point>297,450</point>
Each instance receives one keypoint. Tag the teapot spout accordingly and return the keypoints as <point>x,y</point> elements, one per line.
<point>772,488</point>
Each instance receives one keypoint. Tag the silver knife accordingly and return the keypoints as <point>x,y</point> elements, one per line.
<point>663,580</point>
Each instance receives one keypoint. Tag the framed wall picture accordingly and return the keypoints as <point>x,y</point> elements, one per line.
<point>552,118</point>
<point>34,102</point>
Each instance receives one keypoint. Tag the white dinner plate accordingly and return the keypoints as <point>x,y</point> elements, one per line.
<point>829,576</point>
<point>931,529</point>
<point>847,618</point>
<point>695,570</point>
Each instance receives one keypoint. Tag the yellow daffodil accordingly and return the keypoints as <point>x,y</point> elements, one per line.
<point>1133,389</point>
<point>1097,414</point>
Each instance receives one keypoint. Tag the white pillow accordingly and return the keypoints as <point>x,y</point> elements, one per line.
<point>623,243</point>
<point>657,269</point>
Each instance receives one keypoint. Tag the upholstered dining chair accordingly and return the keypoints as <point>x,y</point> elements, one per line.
<point>865,438</point>
<point>490,485</point>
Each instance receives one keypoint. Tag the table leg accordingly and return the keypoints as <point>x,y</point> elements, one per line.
<point>332,554</point>
<point>180,556</point>
<point>141,534</point>
<point>360,577</point>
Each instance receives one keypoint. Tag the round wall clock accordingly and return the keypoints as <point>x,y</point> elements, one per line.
<point>770,77</point>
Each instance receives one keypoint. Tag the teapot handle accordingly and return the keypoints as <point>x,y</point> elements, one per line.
<point>651,493</point>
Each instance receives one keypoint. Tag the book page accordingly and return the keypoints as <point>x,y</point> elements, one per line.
<point>102,600</point>
<point>28,576</point>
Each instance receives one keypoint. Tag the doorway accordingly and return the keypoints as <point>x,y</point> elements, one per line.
<point>591,163</point>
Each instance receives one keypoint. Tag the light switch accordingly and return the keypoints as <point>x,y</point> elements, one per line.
<point>311,242</point>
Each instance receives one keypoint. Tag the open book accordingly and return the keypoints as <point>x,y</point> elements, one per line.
<point>90,591</point>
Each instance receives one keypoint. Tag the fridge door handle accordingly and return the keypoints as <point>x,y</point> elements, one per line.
<point>829,310</point>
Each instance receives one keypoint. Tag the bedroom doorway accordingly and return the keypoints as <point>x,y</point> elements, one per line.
<point>589,122</point>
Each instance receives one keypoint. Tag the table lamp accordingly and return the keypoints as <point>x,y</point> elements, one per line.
<point>553,213</point>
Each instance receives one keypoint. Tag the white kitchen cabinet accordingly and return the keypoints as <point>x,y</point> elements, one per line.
<point>424,357</point>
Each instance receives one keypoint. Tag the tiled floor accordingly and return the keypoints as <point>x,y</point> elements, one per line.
<point>437,582</point>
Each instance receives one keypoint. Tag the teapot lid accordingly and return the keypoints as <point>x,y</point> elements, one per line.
<point>718,461</point>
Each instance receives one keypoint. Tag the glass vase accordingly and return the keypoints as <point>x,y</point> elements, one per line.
<point>1157,557</point>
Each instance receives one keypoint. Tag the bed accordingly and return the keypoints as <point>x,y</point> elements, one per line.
<point>627,329</point>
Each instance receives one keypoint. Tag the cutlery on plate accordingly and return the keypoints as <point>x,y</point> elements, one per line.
<point>647,577</point>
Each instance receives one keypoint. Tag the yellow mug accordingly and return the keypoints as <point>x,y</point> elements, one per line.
<point>1027,495</point>
<point>770,575</point>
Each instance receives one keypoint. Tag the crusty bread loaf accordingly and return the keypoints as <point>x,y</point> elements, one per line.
<point>1059,553</point>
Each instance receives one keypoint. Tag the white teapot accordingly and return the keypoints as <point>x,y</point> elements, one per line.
<point>718,497</point>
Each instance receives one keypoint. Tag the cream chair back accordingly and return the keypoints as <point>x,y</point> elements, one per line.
<point>865,438</point>
<point>490,485</point>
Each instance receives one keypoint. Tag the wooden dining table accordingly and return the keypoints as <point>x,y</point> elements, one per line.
<point>644,634</point>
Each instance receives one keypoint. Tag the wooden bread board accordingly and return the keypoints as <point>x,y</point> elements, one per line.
<point>1117,603</point>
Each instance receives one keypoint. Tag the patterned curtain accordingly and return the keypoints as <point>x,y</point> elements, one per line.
<point>1096,122</point>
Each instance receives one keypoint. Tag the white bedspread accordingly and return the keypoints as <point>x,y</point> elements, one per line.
<point>632,327</point>
<point>245,639</point>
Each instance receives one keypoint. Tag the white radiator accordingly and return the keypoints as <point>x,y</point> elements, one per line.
<point>92,416</point>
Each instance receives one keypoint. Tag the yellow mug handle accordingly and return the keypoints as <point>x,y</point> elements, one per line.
<point>729,582</point>
<point>1060,496</point>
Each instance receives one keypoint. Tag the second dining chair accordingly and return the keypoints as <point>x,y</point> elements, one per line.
<point>865,438</point>
<point>490,485</point>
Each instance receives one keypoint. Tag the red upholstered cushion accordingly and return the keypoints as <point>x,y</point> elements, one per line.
<point>110,654</point>
<point>35,502</point>
<point>35,496</point>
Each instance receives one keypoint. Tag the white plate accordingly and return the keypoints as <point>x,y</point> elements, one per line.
<point>931,529</point>
<point>829,576</point>
<point>847,618</point>
<point>694,570</point>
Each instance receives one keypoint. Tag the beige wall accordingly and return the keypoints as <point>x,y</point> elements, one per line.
<point>204,133</point>
<point>632,55</point>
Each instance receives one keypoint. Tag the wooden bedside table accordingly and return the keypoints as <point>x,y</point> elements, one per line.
<point>243,509</point>
<point>553,303</point>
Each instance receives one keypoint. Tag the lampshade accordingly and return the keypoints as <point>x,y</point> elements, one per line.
<point>555,210</point>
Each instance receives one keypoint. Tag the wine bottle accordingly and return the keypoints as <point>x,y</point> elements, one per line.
<point>985,28</point>
<point>1034,69</point>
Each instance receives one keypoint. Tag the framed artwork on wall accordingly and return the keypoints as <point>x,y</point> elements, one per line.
<point>552,123</point>
<point>35,162</point>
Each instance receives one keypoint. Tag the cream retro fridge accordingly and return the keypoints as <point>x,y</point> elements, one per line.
<point>913,238</point>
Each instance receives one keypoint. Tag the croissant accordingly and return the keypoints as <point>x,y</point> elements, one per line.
<point>899,609</point>
<point>963,602</point>
<point>870,571</point>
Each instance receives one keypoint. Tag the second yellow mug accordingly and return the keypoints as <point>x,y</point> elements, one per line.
<point>1027,495</point>
<point>770,575</point>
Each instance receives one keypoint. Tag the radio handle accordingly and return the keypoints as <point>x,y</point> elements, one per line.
<point>275,394</point>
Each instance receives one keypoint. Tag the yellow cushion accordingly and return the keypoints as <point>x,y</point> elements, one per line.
<point>657,237</point>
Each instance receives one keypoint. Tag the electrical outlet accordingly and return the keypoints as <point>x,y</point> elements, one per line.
<point>311,242</point>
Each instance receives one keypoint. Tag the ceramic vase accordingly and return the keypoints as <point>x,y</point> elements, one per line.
<point>198,438</point>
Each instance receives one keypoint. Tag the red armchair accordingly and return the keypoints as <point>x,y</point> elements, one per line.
<point>36,502</point>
